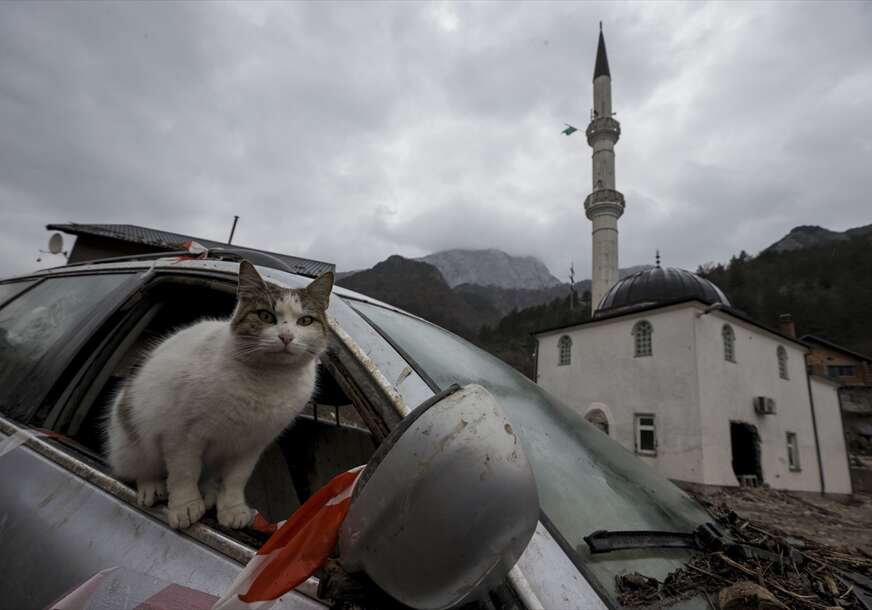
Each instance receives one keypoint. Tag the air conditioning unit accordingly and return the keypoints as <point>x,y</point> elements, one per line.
<point>763,405</point>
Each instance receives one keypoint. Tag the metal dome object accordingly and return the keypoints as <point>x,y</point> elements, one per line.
<point>659,286</point>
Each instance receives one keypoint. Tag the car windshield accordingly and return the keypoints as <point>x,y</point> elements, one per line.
<point>586,481</point>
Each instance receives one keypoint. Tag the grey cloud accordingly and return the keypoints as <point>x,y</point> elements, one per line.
<point>349,132</point>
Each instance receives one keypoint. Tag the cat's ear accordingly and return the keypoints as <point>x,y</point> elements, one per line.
<point>250,282</point>
<point>319,289</point>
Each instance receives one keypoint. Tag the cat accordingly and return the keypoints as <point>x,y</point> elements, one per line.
<point>192,422</point>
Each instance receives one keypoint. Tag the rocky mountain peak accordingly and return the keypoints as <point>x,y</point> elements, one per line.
<point>491,267</point>
<point>809,236</point>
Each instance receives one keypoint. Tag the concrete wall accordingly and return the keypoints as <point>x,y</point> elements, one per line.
<point>605,374</point>
<point>831,434</point>
<point>856,408</point>
<point>727,390</point>
<point>695,393</point>
<point>604,240</point>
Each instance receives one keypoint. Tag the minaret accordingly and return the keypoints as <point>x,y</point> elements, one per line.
<point>605,204</point>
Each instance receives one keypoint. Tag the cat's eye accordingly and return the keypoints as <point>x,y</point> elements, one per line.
<point>266,316</point>
<point>305,320</point>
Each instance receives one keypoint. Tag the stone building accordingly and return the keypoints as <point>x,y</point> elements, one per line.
<point>604,205</point>
<point>700,391</point>
<point>668,368</point>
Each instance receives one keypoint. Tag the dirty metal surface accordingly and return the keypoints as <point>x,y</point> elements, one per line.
<point>72,520</point>
<point>448,508</point>
<point>550,576</point>
<point>375,373</point>
<point>378,355</point>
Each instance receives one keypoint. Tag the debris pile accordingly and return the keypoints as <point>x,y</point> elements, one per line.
<point>760,566</point>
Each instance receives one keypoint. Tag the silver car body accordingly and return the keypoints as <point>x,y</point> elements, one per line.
<point>62,519</point>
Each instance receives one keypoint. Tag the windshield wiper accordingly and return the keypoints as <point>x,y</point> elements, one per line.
<point>707,536</point>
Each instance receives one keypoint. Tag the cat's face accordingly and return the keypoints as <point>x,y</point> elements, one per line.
<point>281,325</point>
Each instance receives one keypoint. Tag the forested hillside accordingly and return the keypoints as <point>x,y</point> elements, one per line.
<point>511,338</point>
<point>827,288</point>
<point>823,278</point>
<point>419,288</point>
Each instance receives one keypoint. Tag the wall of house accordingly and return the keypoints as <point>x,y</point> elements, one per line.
<point>727,391</point>
<point>821,358</point>
<point>831,435</point>
<point>856,407</point>
<point>604,373</point>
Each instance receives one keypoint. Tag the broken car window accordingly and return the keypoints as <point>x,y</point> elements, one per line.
<point>31,324</point>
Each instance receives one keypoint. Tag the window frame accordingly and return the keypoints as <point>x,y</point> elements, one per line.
<point>781,355</point>
<point>359,382</point>
<point>728,335</point>
<point>595,414</point>
<point>32,403</point>
<point>643,335</point>
<point>639,427</point>
<point>564,348</point>
<point>33,283</point>
<point>841,370</point>
<point>792,442</point>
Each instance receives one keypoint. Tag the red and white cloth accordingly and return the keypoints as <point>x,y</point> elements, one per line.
<point>296,550</point>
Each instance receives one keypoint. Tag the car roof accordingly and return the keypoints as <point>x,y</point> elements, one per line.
<point>181,263</point>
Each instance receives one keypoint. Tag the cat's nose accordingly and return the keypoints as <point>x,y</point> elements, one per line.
<point>286,337</point>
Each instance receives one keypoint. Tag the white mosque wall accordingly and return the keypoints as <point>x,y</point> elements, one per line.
<point>834,453</point>
<point>604,373</point>
<point>694,394</point>
<point>726,394</point>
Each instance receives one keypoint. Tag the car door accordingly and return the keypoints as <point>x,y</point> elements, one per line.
<point>63,518</point>
<point>45,322</point>
<point>62,513</point>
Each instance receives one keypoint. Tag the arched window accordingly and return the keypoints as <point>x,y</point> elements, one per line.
<point>598,419</point>
<point>782,362</point>
<point>642,334</point>
<point>729,343</point>
<point>565,351</point>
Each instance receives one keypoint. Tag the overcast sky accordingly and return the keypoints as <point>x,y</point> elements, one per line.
<point>349,132</point>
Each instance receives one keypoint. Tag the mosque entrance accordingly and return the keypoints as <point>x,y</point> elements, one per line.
<point>745,442</point>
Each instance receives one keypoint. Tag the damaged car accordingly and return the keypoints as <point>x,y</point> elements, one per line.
<point>70,336</point>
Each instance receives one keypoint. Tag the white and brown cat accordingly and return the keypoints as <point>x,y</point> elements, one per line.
<point>192,422</point>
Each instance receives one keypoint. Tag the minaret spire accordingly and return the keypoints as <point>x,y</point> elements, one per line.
<point>605,204</point>
<point>601,67</point>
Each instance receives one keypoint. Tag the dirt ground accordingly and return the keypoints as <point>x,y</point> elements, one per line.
<point>843,523</point>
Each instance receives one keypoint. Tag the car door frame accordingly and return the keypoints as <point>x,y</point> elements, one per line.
<point>377,400</point>
<point>31,403</point>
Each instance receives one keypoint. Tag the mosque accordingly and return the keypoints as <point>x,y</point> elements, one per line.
<point>676,374</point>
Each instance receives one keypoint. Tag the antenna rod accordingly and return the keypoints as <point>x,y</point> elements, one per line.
<point>232,230</point>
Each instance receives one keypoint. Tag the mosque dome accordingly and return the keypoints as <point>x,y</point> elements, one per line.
<point>659,286</point>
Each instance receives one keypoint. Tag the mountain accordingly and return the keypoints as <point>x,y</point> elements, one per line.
<point>810,236</point>
<point>491,268</point>
<point>419,288</point>
<point>505,300</point>
<point>825,284</point>
<point>823,278</point>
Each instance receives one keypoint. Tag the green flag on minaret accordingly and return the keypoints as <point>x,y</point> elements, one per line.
<point>569,130</point>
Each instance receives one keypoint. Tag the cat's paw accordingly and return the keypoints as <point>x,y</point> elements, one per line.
<point>185,515</point>
<point>150,492</point>
<point>237,517</point>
